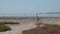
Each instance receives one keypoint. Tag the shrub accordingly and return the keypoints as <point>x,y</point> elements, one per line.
<point>32,31</point>
<point>11,22</point>
<point>47,29</point>
<point>4,28</point>
<point>3,23</point>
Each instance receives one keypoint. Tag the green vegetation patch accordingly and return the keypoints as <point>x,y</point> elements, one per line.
<point>4,28</point>
<point>3,23</point>
<point>32,31</point>
<point>47,29</point>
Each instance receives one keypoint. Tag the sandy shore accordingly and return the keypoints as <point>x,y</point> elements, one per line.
<point>27,24</point>
<point>17,29</point>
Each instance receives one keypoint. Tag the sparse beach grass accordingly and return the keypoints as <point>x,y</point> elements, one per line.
<point>4,28</point>
<point>3,23</point>
<point>47,29</point>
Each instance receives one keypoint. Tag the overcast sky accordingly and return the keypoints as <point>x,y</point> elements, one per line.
<point>28,7</point>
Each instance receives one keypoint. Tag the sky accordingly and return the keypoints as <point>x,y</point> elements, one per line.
<point>28,7</point>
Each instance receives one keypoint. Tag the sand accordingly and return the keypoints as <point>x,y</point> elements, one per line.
<point>25,25</point>
<point>17,29</point>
